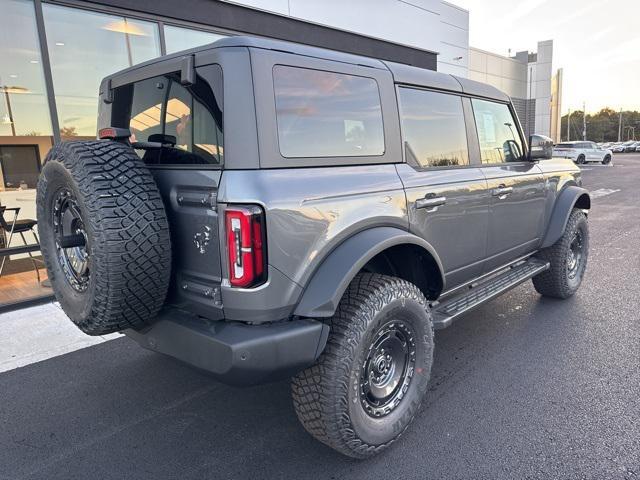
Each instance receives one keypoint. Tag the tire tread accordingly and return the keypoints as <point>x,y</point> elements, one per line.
<point>320,393</point>
<point>131,242</point>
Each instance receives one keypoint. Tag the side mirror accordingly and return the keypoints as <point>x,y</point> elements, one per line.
<point>540,147</point>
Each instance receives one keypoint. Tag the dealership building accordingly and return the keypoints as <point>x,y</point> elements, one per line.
<point>54,53</point>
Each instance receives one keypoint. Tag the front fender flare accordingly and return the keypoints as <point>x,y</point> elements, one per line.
<point>326,287</point>
<point>565,203</point>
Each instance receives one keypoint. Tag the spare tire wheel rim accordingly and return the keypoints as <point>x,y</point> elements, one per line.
<point>387,369</point>
<point>71,240</point>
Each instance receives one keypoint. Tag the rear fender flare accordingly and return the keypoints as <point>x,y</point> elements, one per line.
<point>327,285</point>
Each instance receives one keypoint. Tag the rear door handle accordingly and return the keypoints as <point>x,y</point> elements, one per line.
<point>430,202</point>
<point>502,191</point>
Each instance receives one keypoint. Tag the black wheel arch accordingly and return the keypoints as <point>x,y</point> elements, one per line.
<point>377,250</point>
<point>569,198</point>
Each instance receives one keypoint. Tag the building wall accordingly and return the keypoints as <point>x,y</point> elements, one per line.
<point>527,79</point>
<point>556,106</point>
<point>541,73</point>
<point>432,25</point>
<point>505,73</point>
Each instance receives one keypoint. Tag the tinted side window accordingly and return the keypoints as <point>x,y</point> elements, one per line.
<point>192,115</point>
<point>433,128</point>
<point>326,114</point>
<point>497,132</point>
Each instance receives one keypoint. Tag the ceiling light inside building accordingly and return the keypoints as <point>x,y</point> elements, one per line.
<point>122,26</point>
<point>33,61</point>
<point>60,44</point>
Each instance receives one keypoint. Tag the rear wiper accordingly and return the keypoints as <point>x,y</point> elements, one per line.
<point>150,145</point>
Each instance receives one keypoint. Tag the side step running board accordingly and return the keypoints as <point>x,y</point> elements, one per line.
<point>446,312</point>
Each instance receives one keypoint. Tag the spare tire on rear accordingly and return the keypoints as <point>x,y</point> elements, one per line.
<point>104,235</point>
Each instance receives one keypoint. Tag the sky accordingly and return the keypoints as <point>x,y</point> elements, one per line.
<point>596,42</point>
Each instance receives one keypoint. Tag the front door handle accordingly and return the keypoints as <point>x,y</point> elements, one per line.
<point>430,202</point>
<point>502,191</point>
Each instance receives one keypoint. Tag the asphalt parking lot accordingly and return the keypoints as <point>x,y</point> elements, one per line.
<point>524,387</point>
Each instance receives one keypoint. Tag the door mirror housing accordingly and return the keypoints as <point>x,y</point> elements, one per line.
<point>540,147</point>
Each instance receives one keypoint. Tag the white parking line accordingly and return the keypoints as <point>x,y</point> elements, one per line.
<point>38,333</point>
<point>603,192</point>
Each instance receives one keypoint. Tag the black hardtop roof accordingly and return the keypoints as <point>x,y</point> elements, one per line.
<point>401,73</point>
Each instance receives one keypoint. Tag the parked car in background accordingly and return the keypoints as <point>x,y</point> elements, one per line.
<point>638,147</point>
<point>630,146</point>
<point>618,148</point>
<point>583,152</point>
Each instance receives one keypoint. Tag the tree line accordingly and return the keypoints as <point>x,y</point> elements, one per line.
<point>603,126</point>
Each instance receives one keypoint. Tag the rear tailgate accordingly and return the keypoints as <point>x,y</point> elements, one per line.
<point>178,127</point>
<point>190,201</point>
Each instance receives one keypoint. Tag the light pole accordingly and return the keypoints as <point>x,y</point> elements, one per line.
<point>584,122</point>
<point>620,127</point>
<point>6,89</point>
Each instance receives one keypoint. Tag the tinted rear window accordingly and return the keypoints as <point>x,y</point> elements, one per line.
<point>162,108</point>
<point>565,145</point>
<point>326,114</point>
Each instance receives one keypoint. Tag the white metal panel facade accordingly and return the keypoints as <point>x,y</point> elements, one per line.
<point>432,25</point>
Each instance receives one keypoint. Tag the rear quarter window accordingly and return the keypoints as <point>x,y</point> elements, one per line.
<point>327,114</point>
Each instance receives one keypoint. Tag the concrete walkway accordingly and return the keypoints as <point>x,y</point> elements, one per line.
<point>38,333</point>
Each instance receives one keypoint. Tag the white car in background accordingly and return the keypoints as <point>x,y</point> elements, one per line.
<point>583,152</point>
<point>618,148</point>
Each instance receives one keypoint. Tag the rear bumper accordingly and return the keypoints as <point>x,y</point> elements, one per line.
<point>236,353</point>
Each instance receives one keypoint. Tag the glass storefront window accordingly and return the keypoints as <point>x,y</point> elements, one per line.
<point>177,38</point>
<point>84,47</point>
<point>25,138</point>
<point>23,106</point>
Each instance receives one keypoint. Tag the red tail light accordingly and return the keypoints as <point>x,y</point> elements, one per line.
<point>246,246</point>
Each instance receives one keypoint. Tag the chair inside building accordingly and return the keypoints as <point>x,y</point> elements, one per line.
<point>15,226</point>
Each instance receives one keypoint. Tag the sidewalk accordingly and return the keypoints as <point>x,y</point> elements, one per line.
<point>38,333</point>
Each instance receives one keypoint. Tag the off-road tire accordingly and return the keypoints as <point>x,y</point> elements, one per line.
<point>556,281</point>
<point>326,396</point>
<point>127,235</point>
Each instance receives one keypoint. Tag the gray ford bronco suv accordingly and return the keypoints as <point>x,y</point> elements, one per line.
<point>260,209</point>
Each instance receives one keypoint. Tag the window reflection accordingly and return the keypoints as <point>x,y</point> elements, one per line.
<point>189,119</point>
<point>23,103</point>
<point>25,139</point>
<point>433,128</point>
<point>25,126</point>
<point>325,114</point>
<point>497,132</point>
<point>177,38</point>
<point>84,48</point>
